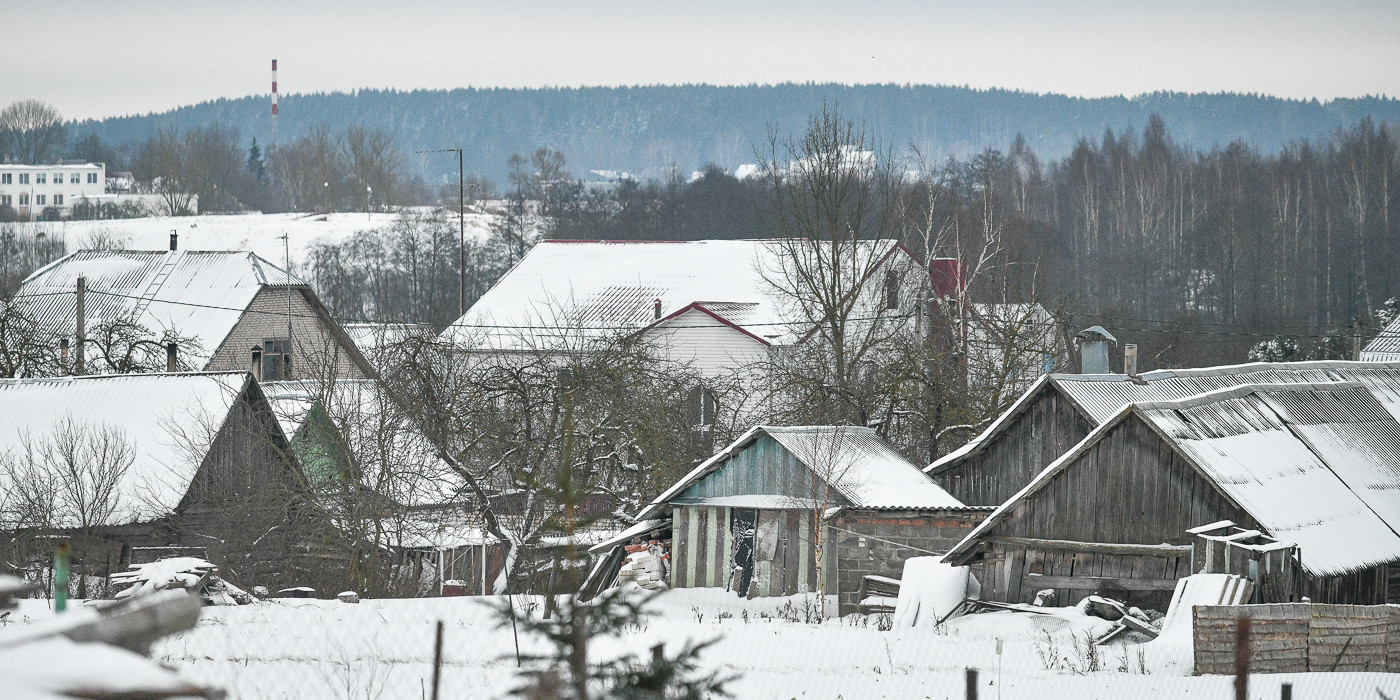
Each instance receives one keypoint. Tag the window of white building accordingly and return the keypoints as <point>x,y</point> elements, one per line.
<point>40,178</point>
<point>5,200</point>
<point>5,178</point>
<point>58,200</point>
<point>24,178</point>
<point>24,199</point>
<point>39,200</point>
<point>92,178</point>
<point>74,179</point>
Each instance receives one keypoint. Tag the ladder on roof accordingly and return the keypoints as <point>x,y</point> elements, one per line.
<point>153,287</point>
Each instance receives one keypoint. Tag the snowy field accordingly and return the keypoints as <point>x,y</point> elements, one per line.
<point>383,650</point>
<point>260,233</point>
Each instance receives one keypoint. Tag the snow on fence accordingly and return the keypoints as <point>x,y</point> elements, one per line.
<point>1299,637</point>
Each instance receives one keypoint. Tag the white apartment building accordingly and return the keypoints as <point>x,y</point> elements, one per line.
<point>33,189</point>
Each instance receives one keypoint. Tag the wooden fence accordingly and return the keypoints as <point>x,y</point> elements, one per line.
<point>1299,637</point>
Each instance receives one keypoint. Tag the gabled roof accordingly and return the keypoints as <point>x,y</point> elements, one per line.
<point>610,287</point>
<point>1315,464</point>
<point>1385,347</point>
<point>873,474</point>
<point>1099,397</point>
<point>199,294</point>
<point>161,416</point>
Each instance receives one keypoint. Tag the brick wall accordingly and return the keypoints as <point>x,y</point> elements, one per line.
<point>879,542</point>
<point>316,351</point>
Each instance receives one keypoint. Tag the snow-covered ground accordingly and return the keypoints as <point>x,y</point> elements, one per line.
<point>308,649</point>
<point>260,233</point>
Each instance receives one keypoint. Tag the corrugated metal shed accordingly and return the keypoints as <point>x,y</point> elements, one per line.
<point>1385,347</point>
<point>151,412</point>
<point>199,294</point>
<point>781,461</point>
<point>1316,464</point>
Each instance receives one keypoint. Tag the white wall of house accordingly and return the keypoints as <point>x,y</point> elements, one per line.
<point>31,189</point>
<point>707,344</point>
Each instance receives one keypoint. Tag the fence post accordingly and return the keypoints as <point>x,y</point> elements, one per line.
<point>971,684</point>
<point>1242,658</point>
<point>437,661</point>
<point>60,577</point>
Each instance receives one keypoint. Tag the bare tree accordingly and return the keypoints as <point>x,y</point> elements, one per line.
<point>124,346</point>
<point>374,166</point>
<point>831,455</point>
<point>27,349</point>
<point>162,165</point>
<point>31,132</point>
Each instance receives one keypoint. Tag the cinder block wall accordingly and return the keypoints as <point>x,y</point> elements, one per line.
<point>879,542</point>
<point>316,351</point>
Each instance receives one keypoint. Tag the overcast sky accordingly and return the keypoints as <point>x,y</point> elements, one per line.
<point>102,58</point>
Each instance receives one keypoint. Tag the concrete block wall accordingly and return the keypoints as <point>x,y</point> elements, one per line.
<point>879,542</point>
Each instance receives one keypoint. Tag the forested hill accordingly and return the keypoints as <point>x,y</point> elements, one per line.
<point>645,129</point>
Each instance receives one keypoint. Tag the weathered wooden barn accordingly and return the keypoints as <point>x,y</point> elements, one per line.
<point>749,518</point>
<point>1316,466</point>
<point>1059,410</point>
<point>131,467</point>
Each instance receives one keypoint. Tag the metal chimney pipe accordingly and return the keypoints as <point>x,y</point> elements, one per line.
<point>174,239</point>
<point>170,356</point>
<point>656,310</point>
<point>257,362</point>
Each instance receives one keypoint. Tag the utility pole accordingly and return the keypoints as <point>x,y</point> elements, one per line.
<point>461,229</point>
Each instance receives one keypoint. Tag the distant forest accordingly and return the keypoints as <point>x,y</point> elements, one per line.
<point>647,130</point>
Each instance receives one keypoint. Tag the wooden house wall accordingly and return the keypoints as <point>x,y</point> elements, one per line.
<point>1046,429</point>
<point>764,468</point>
<point>703,544</point>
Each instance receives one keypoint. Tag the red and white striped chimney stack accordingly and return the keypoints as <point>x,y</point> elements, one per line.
<point>274,104</point>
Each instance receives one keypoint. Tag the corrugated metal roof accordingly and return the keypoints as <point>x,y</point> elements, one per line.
<point>1385,347</point>
<point>199,294</point>
<point>872,474</point>
<point>1316,464</point>
<point>162,416</point>
<point>611,286</point>
<point>1100,396</point>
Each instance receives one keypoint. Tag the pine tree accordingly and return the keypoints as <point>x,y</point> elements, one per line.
<point>256,166</point>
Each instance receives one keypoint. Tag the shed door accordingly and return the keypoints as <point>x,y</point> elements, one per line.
<point>741,524</point>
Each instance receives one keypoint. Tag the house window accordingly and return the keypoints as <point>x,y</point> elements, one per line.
<point>5,179</point>
<point>701,407</point>
<point>39,200</point>
<point>92,178</point>
<point>277,360</point>
<point>891,292</point>
<point>58,200</point>
<point>74,179</point>
<point>5,200</point>
<point>24,178</point>
<point>24,199</point>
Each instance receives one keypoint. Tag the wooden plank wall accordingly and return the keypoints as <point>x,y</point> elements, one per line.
<point>703,550</point>
<point>1014,574</point>
<point>1299,637</point>
<point>1047,428</point>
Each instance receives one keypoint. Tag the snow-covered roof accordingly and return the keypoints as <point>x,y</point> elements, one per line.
<point>161,416</point>
<point>1385,347</point>
<point>873,474</point>
<point>610,287</point>
<point>1100,396</point>
<point>199,294</point>
<point>1315,464</point>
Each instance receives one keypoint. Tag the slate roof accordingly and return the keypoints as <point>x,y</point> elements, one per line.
<point>1315,464</point>
<point>200,294</point>
<point>150,411</point>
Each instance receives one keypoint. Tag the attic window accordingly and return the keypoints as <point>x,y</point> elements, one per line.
<point>891,292</point>
<point>277,360</point>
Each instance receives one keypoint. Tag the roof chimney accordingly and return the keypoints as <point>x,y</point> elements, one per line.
<point>170,356</point>
<point>63,352</point>
<point>174,238</point>
<point>257,362</point>
<point>1093,349</point>
<point>656,310</point>
<point>1130,359</point>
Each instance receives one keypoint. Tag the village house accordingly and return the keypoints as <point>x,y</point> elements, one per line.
<point>750,518</point>
<point>242,312</point>
<point>136,467</point>
<point>1059,410</point>
<point>1385,347</point>
<point>1314,467</point>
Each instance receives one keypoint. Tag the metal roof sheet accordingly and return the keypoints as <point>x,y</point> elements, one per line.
<point>1385,347</point>
<point>198,294</point>
<point>161,416</point>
